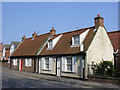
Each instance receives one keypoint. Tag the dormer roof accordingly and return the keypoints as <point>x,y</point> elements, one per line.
<point>63,46</point>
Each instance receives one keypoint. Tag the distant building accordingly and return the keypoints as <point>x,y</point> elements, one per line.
<point>13,46</point>
<point>6,52</point>
<point>1,50</point>
<point>115,39</point>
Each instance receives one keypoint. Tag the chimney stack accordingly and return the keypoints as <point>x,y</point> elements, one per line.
<point>34,35</point>
<point>23,38</point>
<point>53,31</point>
<point>99,21</point>
<point>1,43</point>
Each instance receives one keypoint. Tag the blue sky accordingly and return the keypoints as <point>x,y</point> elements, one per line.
<point>23,18</point>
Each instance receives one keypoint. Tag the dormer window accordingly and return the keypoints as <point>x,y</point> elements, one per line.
<point>76,40</point>
<point>50,44</point>
<point>33,38</point>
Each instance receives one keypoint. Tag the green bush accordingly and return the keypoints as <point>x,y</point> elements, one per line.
<point>105,68</point>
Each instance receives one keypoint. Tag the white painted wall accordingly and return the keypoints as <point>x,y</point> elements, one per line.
<point>100,48</point>
<point>4,50</point>
<point>56,40</point>
<point>83,35</point>
<point>12,48</point>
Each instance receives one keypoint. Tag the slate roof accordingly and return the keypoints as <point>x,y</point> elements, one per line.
<point>30,47</point>
<point>15,43</point>
<point>63,46</point>
<point>115,39</point>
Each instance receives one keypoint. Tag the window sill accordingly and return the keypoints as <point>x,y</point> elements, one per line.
<point>27,66</point>
<point>14,65</point>
<point>69,72</point>
<point>45,70</point>
<point>49,48</point>
<point>75,45</point>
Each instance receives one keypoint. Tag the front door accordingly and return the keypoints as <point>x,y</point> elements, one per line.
<point>20,65</point>
<point>58,67</point>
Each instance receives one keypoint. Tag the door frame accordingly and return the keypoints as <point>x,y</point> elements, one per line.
<point>39,65</point>
<point>58,62</point>
<point>20,64</point>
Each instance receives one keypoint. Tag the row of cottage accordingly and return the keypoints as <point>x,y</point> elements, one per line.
<point>70,54</point>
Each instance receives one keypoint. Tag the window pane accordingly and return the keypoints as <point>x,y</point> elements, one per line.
<point>47,63</point>
<point>50,44</point>
<point>69,63</point>
<point>76,39</point>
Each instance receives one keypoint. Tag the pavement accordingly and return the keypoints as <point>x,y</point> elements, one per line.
<point>59,79</point>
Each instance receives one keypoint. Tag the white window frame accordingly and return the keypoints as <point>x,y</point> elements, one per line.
<point>28,62</point>
<point>50,44</point>
<point>65,65</point>
<point>69,63</point>
<point>46,63</point>
<point>15,62</point>
<point>78,41</point>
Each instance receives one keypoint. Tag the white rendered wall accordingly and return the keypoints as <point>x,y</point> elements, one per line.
<point>56,40</point>
<point>83,35</point>
<point>100,48</point>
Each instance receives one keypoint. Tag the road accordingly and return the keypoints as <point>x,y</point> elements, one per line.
<point>11,80</point>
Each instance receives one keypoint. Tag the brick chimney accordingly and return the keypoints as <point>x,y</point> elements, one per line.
<point>99,21</point>
<point>23,38</point>
<point>53,31</point>
<point>34,35</point>
<point>1,43</point>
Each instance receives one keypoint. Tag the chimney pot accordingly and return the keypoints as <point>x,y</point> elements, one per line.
<point>52,28</point>
<point>98,15</point>
<point>23,38</point>
<point>52,32</point>
<point>34,35</point>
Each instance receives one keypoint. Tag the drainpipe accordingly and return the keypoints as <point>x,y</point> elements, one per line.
<point>84,66</point>
<point>114,58</point>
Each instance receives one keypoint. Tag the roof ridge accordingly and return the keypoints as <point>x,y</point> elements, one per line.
<point>38,35</point>
<point>114,31</point>
<point>78,30</point>
<point>15,41</point>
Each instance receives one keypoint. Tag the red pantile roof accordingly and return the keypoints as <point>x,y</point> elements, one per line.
<point>63,46</point>
<point>31,47</point>
<point>115,39</point>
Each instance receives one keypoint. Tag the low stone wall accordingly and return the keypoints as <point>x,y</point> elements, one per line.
<point>110,80</point>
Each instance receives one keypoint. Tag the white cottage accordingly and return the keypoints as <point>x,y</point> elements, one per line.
<point>74,53</point>
<point>69,54</point>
